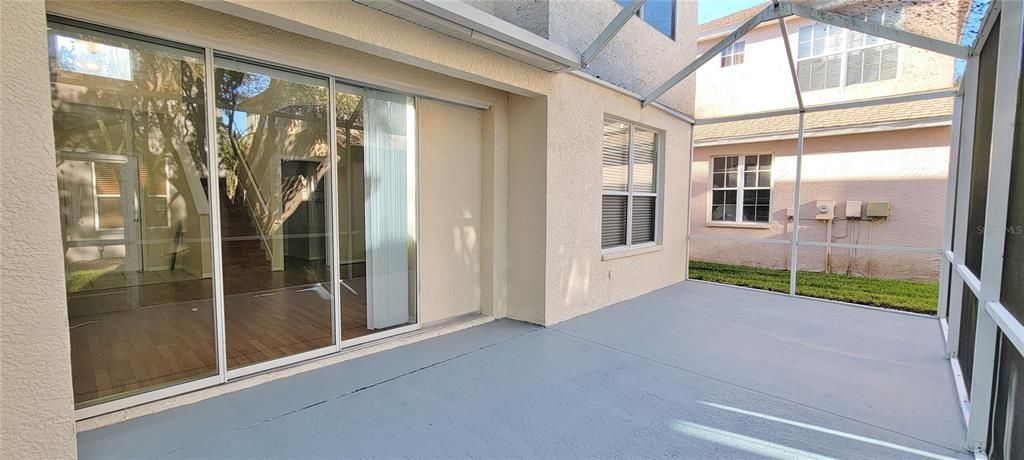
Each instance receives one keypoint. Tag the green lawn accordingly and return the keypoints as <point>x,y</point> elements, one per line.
<point>915,296</point>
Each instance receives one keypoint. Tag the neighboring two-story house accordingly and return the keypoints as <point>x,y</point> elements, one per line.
<point>892,158</point>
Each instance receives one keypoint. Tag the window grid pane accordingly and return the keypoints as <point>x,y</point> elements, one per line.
<point>630,184</point>
<point>615,158</point>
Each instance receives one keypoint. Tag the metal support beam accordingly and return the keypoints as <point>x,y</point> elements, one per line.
<point>878,30</point>
<point>792,64</point>
<point>609,31</point>
<point>795,234</point>
<point>939,94</point>
<point>770,13</point>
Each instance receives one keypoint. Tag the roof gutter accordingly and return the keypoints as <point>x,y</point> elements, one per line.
<point>490,31</point>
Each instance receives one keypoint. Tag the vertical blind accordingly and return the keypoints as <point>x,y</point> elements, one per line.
<point>387,168</point>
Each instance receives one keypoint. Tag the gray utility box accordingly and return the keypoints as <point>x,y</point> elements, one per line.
<point>877,209</point>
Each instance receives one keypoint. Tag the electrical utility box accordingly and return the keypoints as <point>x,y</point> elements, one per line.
<point>877,209</point>
<point>826,210</point>
<point>853,209</point>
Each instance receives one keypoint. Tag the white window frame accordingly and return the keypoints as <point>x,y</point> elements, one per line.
<point>731,54</point>
<point>740,188</point>
<point>844,55</point>
<point>658,195</point>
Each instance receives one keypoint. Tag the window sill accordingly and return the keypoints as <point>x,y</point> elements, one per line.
<point>620,253</point>
<point>739,225</point>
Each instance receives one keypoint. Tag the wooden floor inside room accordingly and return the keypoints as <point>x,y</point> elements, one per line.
<point>170,336</point>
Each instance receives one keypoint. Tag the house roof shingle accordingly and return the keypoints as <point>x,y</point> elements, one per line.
<point>725,23</point>
<point>830,119</point>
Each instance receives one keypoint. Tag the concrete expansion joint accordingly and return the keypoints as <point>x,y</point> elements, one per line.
<point>357,390</point>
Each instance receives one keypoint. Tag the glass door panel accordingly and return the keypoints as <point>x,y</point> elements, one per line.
<point>128,119</point>
<point>273,170</point>
<point>376,209</point>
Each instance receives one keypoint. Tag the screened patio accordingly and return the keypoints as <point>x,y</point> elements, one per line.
<point>699,369</point>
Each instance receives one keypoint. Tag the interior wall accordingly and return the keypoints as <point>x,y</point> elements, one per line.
<point>450,166</point>
<point>37,420</point>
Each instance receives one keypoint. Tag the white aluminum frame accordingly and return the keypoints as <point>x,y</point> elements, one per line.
<point>223,375</point>
<point>1008,70</point>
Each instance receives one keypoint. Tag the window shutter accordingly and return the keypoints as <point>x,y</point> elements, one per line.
<point>645,161</point>
<point>890,62</point>
<point>643,219</point>
<point>872,63</point>
<point>833,71</point>
<point>803,72</point>
<point>613,221</point>
<point>615,159</point>
<point>854,67</point>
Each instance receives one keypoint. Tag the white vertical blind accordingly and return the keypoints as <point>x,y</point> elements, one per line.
<point>387,158</point>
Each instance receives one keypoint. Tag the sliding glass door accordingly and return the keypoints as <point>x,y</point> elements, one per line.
<point>128,120</point>
<point>273,165</point>
<point>222,216</point>
<point>377,210</point>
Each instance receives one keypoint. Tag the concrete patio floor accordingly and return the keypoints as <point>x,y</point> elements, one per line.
<point>692,370</point>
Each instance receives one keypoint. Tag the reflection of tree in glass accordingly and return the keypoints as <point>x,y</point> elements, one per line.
<point>262,121</point>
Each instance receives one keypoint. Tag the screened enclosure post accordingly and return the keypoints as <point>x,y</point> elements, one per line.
<point>795,235</point>
<point>1003,135</point>
<point>951,190</point>
<point>213,181</point>
<point>965,158</point>
<point>689,210</point>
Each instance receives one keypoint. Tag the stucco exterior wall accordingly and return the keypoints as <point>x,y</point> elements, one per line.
<point>726,90</point>
<point>907,168</point>
<point>579,279</point>
<point>450,146</point>
<point>527,205</point>
<point>37,416</point>
<point>509,198</point>
<point>639,57</point>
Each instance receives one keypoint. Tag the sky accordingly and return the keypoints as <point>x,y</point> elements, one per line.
<point>708,10</point>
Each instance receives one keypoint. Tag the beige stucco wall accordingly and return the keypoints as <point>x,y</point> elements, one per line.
<point>450,146</point>
<point>578,280</point>
<point>726,90</point>
<point>510,196</point>
<point>639,57</point>
<point>527,206</point>
<point>36,405</point>
<point>907,168</point>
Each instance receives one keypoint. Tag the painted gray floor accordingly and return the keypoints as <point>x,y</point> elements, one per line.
<point>693,370</point>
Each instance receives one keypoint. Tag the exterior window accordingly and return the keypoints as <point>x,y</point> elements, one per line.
<point>819,57</point>
<point>822,51</point>
<point>741,188</point>
<point>660,14</point>
<point>629,201</point>
<point>733,54</point>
